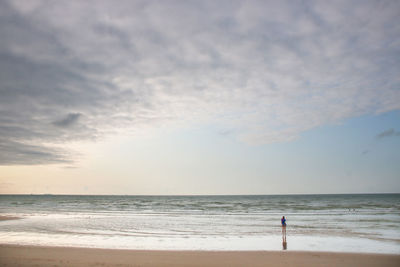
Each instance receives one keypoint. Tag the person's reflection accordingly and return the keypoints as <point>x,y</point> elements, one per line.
<point>284,245</point>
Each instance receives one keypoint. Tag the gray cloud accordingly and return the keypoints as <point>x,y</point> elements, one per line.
<point>69,120</point>
<point>388,133</point>
<point>14,153</point>
<point>267,70</point>
<point>365,152</point>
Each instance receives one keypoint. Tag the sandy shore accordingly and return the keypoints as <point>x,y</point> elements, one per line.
<point>5,218</point>
<point>57,256</point>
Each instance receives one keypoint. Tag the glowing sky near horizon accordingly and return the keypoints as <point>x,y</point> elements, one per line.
<point>199,97</point>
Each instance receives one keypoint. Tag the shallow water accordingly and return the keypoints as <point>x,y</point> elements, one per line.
<point>358,223</point>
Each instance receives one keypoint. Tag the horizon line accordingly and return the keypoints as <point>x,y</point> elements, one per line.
<point>200,195</point>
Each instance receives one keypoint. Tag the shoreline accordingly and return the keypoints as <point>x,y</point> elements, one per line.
<point>76,256</point>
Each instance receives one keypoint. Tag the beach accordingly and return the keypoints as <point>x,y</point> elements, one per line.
<point>199,231</point>
<point>323,230</point>
<point>325,223</point>
<point>69,256</point>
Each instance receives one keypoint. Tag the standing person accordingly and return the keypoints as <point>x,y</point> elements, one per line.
<point>283,222</point>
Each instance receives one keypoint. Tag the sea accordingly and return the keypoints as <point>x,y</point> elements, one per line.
<point>342,223</point>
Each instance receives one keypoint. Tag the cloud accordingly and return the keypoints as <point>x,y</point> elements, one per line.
<point>68,121</point>
<point>14,153</point>
<point>388,133</point>
<point>225,132</point>
<point>365,152</point>
<point>265,70</point>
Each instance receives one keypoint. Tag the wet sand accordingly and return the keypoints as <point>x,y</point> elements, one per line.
<point>5,218</point>
<point>67,256</point>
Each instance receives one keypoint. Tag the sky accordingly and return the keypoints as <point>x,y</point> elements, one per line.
<point>199,97</point>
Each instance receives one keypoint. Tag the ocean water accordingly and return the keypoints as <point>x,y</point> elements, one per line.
<point>352,223</point>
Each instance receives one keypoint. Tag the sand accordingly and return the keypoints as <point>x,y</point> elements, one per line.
<point>60,256</point>
<point>5,218</point>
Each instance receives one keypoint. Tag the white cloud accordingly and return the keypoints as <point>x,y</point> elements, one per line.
<point>266,70</point>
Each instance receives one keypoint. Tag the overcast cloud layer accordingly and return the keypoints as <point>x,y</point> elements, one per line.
<point>261,71</point>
